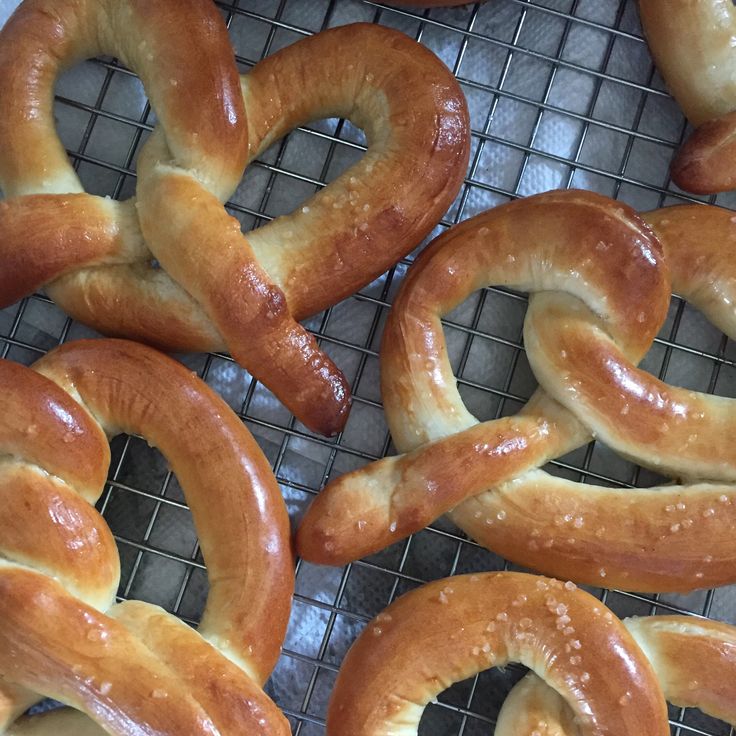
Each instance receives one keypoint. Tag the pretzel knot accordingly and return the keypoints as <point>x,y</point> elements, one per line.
<point>692,44</point>
<point>132,667</point>
<point>451,629</point>
<point>692,658</point>
<point>172,268</point>
<point>599,293</point>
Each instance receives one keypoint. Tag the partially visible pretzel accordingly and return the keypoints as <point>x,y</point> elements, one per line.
<point>695,662</point>
<point>217,289</point>
<point>692,44</point>
<point>600,292</point>
<point>133,668</point>
<point>451,629</point>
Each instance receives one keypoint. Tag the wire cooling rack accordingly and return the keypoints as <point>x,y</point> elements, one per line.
<point>562,93</point>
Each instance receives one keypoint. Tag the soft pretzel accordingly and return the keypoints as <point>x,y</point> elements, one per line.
<point>133,668</point>
<point>695,662</point>
<point>692,44</point>
<point>217,289</point>
<point>449,630</point>
<point>600,292</point>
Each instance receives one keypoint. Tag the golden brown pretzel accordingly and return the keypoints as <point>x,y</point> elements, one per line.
<point>218,289</point>
<point>695,662</point>
<point>451,629</point>
<point>582,252</point>
<point>692,44</point>
<point>132,667</point>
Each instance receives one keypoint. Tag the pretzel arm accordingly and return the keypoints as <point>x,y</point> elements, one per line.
<point>416,123</point>
<point>201,246</point>
<point>54,644</point>
<point>614,537</point>
<point>448,630</point>
<point>673,644</point>
<point>681,432</point>
<point>46,236</point>
<point>130,388</point>
<point>371,508</point>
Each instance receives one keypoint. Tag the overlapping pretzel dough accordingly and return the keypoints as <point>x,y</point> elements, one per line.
<point>134,668</point>
<point>601,289</point>
<point>695,662</point>
<point>211,287</point>
<point>451,629</point>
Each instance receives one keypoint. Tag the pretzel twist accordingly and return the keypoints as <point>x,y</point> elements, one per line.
<point>692,44</point>
<point>216,288</point>
<point>600,290</point>
<point>451,629</point>
<point>133,668</point>
<point>695,662</point>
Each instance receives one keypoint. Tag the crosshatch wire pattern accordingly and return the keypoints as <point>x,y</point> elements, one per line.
<point>562,93</point>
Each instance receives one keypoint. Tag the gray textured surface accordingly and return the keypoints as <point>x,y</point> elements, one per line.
<point>562,93</point>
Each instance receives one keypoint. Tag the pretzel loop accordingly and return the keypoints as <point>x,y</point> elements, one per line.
<point>693,660</point>
<point>451,629</point>
<point>217,289</point>
<point>135,663</point>
<point>600,294</point>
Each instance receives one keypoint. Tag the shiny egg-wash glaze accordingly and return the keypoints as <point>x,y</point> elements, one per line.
<point>693,43</point>
<point>134,668</point>
<point>449,630</point>
<point>604,292</point>
<point>218,289</point>
<point>695,662</point>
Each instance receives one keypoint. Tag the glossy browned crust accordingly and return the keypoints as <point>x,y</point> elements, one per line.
<point>694,659</point>
<point>669,538</point>
<point>43,237</point>
<point>228,292</point>
<point>576,242</point>
<point>54,644</point>
<point>78,547</point>
<point>53,420</point>
<point>705,163</point>
<point>43,37</point>
<point>692,44</point>
<point>369,509</point>
<point>680,432</point>
<point>417,128</point>
<point>42,424</point>
<point>201,247</point>
<point>700,245</point>
<point>236,703</point>
<point>448,630</point>
<point>243,529</point>
<point>532,707</point>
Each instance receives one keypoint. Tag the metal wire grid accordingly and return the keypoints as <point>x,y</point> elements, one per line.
<point>562,93</point>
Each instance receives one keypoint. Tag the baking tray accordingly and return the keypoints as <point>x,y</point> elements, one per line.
<point>562,93</point>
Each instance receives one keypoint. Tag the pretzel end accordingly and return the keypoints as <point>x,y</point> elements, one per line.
<point>705,163</point>
<point>349,519</point>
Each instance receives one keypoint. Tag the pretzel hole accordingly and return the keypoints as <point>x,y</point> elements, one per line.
<point>484,343</point>
<point>103,118</point>
<point>306,160</point>
<point>488,687</point>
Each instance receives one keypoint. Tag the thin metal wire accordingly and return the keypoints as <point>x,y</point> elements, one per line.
<point>348,597</point>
